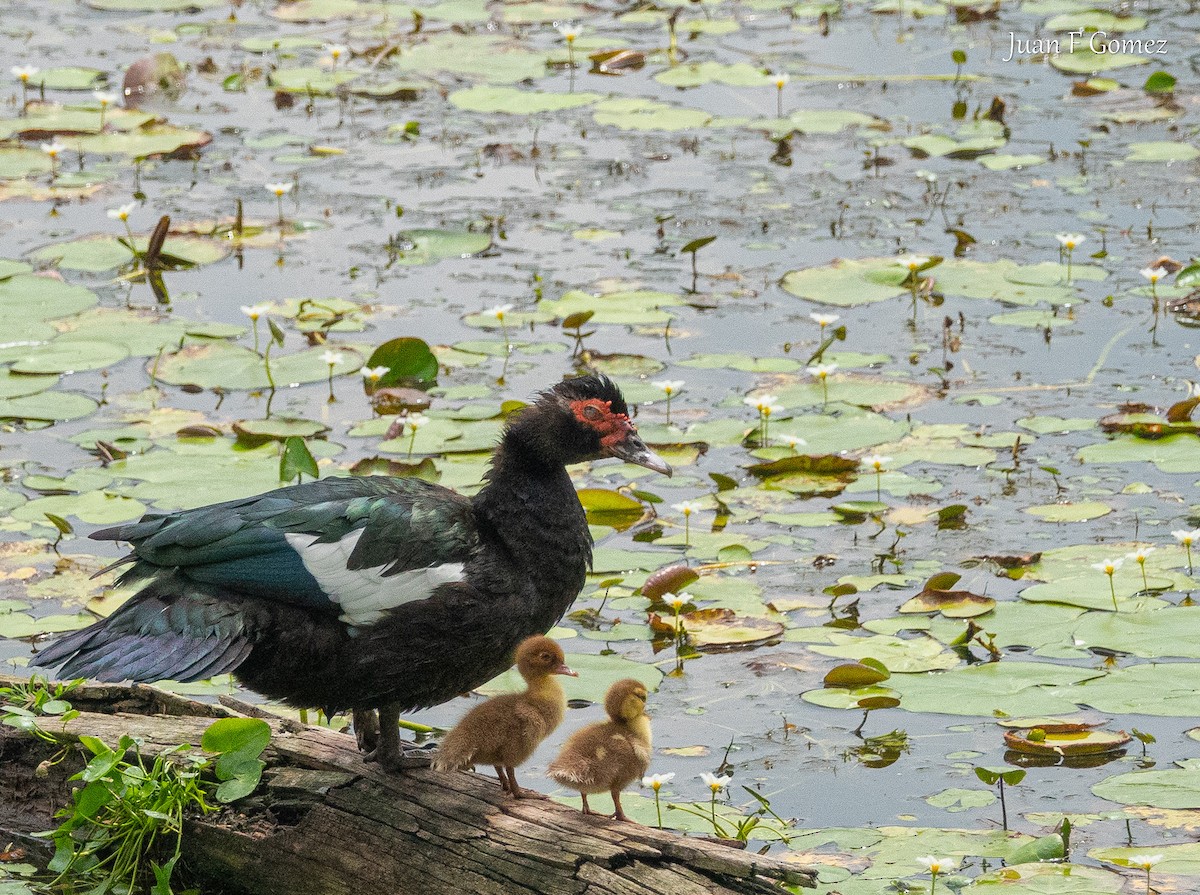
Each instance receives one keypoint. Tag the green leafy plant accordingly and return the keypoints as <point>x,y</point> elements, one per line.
<point>999,777</point>
<point>297,461</point>
<point>24,704</point>
<point>130,808</point>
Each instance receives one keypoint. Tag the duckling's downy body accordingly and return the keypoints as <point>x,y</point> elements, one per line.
<point>608,756</point>
<point>505,730</point>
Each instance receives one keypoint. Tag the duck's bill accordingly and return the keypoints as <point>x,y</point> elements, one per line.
<point>634,450</point>
<point>566,669</point>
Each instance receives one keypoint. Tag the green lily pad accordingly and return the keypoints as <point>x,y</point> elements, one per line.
<point>311,80</point>
<point>1047,879</point>
<point>42,297</point>
<point>234,367</point>
<point>413,247</point>
<point>488,58</point>
<point>1174,453</point>
<point>1095,20</point>
<point>145,142</point>
<point>1009,162</point>
<point>1162,151</point>
<point>18,386</point>
<point>848,283</point>
<point>101,252</point>
<point>94,507</point>
<point>63,357</point>
<point>512,101</point>
<point>142,333</point>
<point>1167,690</point>
<point>44,120</point>
<point>16,163</point>
<point>723,629</point>
<point>850,429</point>
<point>48,406</point>
<point>631,307</point>
<point>1084,61</point>
<point>693,74</point>
<point>631,113</point>
<point>72,77</point>
<point>901,656</point>
<point>1070,512</point>
<point>1170,788</point>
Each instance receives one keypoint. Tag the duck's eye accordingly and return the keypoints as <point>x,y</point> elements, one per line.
<point>591,412</point>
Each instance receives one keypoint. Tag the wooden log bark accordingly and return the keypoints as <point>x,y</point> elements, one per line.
<point>324,822</point>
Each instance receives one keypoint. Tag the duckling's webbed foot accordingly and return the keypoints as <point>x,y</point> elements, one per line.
<point>619,814</point>
<point>366,729</point>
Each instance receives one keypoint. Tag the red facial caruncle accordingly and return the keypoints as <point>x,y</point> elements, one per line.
<point>613,428</point>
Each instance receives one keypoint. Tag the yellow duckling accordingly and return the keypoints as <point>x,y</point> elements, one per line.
<point>505,730</point>
<point>608,756</point>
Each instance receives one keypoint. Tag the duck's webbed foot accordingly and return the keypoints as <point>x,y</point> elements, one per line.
<point>389,750</point>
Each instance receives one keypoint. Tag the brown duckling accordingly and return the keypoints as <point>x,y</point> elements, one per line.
<point>505,730</point>
<point>608,756</point>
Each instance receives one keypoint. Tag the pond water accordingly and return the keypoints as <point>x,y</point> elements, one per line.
<point>450,160</point>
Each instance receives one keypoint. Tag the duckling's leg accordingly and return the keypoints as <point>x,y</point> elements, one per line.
<point>620,814</point>
<point>585,809</point>
<point>366,729</point>
<point>503,777</point>
<point>514,790</point>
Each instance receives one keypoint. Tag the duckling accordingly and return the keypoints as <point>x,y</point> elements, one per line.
<point>505,730</point>
<point>608,756</point>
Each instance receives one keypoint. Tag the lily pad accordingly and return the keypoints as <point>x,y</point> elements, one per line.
<point>723,629</point>
<point>49,406</point>
<point>648,115</point>
<point>848,283</point>
<point>512,101</point>
<point>234,367</point>
<point>100,252</point>
<point>413,247</point>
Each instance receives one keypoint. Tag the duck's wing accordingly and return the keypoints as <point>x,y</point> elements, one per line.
<point>349,548</point>
<point>353,546</point>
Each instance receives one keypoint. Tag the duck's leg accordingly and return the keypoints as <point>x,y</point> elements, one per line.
<point>366,729</point>
<point>503,777</point>
<point>620,813</point>
<point>388,752</point>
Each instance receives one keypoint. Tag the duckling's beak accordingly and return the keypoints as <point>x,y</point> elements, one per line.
<point>633,450</point>
<point>565,669</point>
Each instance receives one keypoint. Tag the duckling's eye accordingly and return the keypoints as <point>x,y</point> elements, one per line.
<point>591,412</point>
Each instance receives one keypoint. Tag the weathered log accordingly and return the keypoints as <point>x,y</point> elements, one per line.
<point>327,823</point>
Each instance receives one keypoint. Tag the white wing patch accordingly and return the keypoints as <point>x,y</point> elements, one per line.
<point>365,595</point>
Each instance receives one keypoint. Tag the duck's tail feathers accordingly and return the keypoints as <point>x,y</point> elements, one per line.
<point>170,630</point>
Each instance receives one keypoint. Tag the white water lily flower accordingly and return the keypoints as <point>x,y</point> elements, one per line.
<point>1144,862</point>
<point>938,865</point>
<point>687,507</point>
<point>912,262</point>
<point>24,72</point>
<point>499,311</point>
<point>1108,566</point>
<point>669,386</point>
<point>255,311</point>
<point>822,371</point>
<point>656,781</point>
<point>53,149</point>
<point>569,31</point>
<point>336,51</point>
<point>416,420</point>
<point>122,213</point>
<point>780,79</point>
<point>793,441</point>
<point>1153,274</point>
<point>1187,538</point>
<point>764,404</point>
<point>333,358</point>
<point>1139,556</point>
<point>374,373</point>
<point>715,783</point>
<point>677,601</point>
<point>1070,241</point>
<point>875,462</point>
<point>824,320</point>
<point>279,189</point>
<point>104,98</point>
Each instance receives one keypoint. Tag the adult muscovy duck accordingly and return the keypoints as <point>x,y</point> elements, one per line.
<point>367,593</point>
